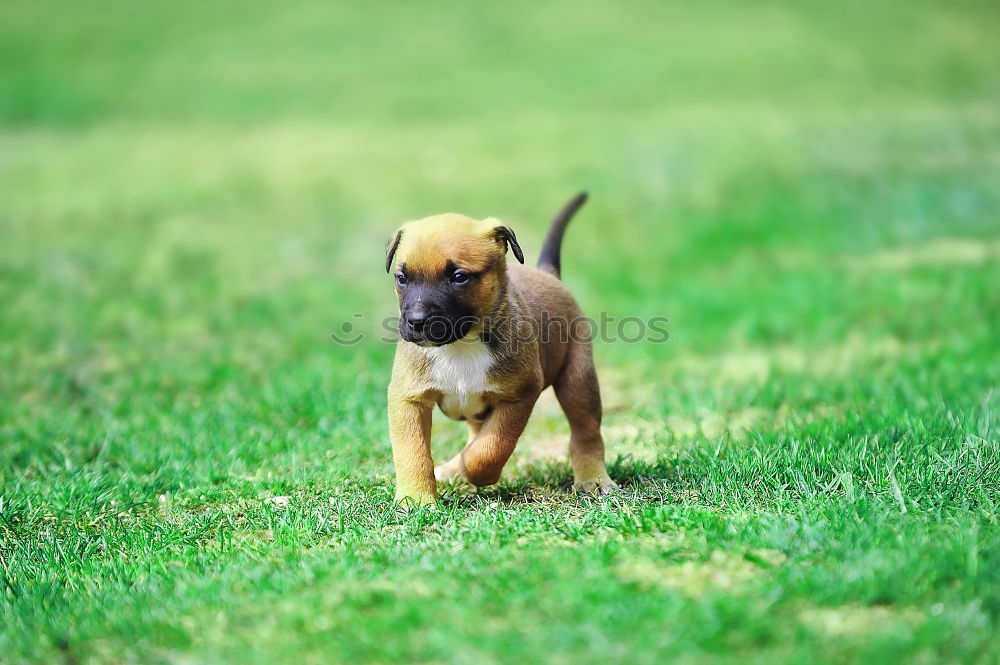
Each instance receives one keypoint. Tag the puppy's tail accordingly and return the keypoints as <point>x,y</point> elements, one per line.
<point>548,260</point>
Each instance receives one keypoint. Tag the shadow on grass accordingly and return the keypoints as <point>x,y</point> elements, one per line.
<point>653,481</point>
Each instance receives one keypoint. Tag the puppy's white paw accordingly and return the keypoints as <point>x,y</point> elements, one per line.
<point>446,471</point>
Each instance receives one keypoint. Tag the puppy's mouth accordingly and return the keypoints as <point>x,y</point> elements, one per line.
<point>435,331</point>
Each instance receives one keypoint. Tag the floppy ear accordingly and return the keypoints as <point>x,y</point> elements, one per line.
<point>505,235</point>
<point>390,249</point>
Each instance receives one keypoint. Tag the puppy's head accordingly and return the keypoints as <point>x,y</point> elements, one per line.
<point>450,272</point>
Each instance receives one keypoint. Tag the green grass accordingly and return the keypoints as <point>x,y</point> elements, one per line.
<point>193,196</point>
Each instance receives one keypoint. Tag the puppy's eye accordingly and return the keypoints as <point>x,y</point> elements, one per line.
<point>401,279</point>
<point>459,277</point>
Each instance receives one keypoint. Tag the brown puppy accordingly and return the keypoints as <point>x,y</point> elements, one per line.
<point>481,340</point>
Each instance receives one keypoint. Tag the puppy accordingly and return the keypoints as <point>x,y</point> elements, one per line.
<point>481,339</point>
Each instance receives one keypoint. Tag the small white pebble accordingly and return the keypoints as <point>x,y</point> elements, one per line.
<point>163,498</point>
<point>278,500</point>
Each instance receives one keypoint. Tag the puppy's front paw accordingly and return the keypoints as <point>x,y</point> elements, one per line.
<point>444,472</point>
<point>409,501</point>
<point>450,469</point>
<point>599,485</point>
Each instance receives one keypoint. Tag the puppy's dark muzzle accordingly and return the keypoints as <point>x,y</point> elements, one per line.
<point>416,320</point>
<point>432,329</point>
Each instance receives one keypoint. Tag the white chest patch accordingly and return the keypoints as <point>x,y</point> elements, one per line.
<point>459,370</point>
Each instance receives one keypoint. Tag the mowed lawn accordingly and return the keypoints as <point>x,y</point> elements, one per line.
<point>195,196</point>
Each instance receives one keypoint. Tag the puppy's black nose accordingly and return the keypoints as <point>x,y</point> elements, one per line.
<point>416,315</point>
<point>417,319</point>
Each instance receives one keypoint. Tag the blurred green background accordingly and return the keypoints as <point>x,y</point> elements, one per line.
<point>194,196</point>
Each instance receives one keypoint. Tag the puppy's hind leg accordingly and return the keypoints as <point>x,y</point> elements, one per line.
<point>580,397</point>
